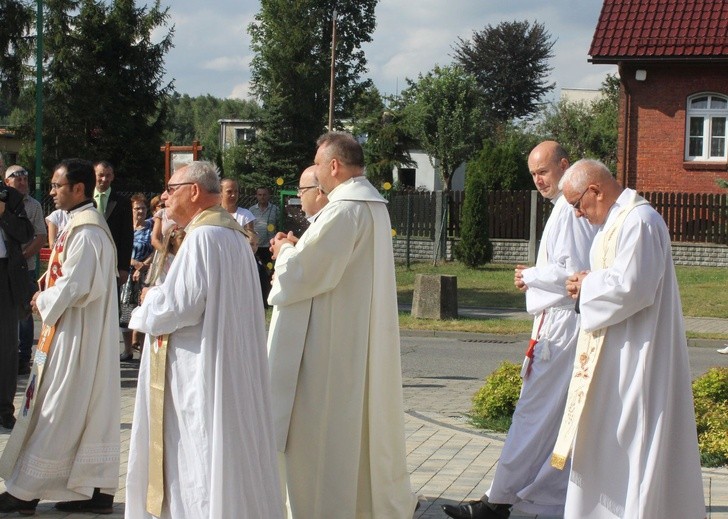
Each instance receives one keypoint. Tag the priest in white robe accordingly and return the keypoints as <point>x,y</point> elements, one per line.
<point>334,351</point>
<point>524,477</point>
<point>65,445</point>
<point>630,405</point>
<point>206,325</point>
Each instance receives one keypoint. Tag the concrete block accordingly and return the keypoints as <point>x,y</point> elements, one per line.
<point>435,297</point>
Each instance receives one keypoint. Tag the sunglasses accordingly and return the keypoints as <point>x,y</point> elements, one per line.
<point>19,173</point>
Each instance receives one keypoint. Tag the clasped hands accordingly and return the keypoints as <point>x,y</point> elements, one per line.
<point>279,240</point>
<point>573,283</point>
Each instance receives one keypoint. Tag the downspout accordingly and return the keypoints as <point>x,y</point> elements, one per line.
<point>626,126</point>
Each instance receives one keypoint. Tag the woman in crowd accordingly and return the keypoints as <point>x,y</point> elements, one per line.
<point>141,258</point>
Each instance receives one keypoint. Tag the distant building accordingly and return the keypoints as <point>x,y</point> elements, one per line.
<point>9,146</point>
<point>580,95</point>
<point>672,57</point>
<point>426,177</point>
<point>236,131</point>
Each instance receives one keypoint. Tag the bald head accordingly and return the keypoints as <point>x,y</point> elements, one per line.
<point>312,197</point>
<point>547,163</point>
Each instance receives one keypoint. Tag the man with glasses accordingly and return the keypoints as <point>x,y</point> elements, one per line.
<point>313,199</point>
<point>213,455</point>
<point>337,383</point>
<point>629,416</point>
<point>17,177</point>
<point>65,445</point>
<point>524,478</point>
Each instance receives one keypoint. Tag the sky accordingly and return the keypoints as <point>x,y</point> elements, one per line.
<point>212,55</point>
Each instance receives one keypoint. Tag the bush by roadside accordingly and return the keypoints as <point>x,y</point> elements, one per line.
<point>494,403</point>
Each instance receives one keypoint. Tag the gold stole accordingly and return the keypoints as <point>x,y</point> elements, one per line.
<point>219,217</point>
<point>588,346</point>
<point>48,279</point>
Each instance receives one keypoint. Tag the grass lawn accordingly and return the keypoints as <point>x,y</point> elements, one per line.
<point>702,290</point>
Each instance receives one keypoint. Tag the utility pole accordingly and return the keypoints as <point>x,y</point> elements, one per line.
<point>38,99</point>
<point>333,72</point>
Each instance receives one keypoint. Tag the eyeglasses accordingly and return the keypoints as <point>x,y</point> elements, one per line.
<point>301,190</point>
<point>577,205</point>
<point>55,185</point>
<point>18,173</point>
<point>171,188</point>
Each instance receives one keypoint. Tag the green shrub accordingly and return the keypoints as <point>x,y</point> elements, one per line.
<point>494,403</point>
<point>710,392</point>
<point>713,384</point>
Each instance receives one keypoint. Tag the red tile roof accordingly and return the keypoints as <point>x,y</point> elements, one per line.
<point>661,30</point>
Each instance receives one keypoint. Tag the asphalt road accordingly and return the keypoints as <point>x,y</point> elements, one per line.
<point>474,357</point>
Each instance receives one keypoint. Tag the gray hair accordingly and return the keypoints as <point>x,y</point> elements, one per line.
<point>205,174</point>
<point>584,172</point>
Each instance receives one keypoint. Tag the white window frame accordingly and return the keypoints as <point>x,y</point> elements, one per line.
<point>710,123</point>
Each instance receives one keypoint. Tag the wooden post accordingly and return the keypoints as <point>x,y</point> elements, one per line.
<point>169,150</point>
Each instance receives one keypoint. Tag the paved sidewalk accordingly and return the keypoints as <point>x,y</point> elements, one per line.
<point>449,460</point>
<point>692,324</point>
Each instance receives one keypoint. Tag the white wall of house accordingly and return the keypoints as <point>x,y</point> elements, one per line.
<point>234,131</point>
<point>426,176</point>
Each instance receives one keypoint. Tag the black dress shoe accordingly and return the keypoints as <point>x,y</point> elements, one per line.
<point>98,504</point>
<point>477,510</point>
<point>126,357</point>
<point>10,503</point>
<point>8,421</point>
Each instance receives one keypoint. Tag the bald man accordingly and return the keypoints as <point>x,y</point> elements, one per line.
<point>524,478</point>
<point>313,199</point>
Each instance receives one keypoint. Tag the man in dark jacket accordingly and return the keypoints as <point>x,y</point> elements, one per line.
<point>15,229</point>
<point>117,211</point>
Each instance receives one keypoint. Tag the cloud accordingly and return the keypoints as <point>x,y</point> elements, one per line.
<point>242,91</point>
<point>226,64</point>
<point>212,48</point>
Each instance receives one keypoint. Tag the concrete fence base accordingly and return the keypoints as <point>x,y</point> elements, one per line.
<point>517,251</point>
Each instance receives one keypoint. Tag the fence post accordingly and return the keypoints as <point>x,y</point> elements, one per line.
<point>532,230</point>
<point>440,226</point>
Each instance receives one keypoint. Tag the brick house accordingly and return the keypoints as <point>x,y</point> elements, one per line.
<point>673,66</point>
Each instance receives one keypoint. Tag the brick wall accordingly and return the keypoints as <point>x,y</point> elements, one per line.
<point>700,254</point>
<point>652,113</point>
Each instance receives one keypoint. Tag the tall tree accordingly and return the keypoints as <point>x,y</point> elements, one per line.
<point>387,140</point>
<point>105,97</point>
<point>586,129</point>
<point>510,63</point>
<point>474,248</point>
<point>15,49</point>
<point>291,69</point>
<point>445,113</point>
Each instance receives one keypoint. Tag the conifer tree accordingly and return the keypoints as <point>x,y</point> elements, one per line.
<point>474,248</point>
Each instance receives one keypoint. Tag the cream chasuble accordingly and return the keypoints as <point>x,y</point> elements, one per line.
<point>211,400</point>
<point>66,440</point>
